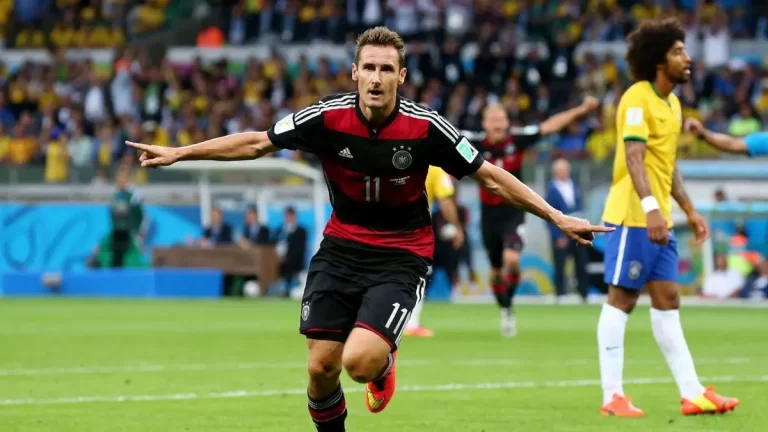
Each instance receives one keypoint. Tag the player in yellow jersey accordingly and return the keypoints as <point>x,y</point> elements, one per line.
<point>439,187</point>
<point>641,252</point>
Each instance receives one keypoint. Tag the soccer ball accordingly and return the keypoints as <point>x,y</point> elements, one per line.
<point>252,289</point>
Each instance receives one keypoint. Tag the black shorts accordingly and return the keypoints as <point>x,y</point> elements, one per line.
<point>500,227</point>
<point>353,285</point>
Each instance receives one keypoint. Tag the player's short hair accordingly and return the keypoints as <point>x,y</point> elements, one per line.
<point>648,46</point>
<point>381,36</point>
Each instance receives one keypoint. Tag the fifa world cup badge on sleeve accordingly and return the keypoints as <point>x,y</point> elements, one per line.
<point>635,116</point>
<point>285,125</point>
<point>466,150</point>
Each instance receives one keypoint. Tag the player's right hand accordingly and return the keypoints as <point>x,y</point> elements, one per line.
<point>155,155</point>
<point>693,126</point>
<point>657,227</point>
<point>579,229</point>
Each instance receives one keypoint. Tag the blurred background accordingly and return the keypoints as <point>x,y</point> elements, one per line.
<point>79,77</point>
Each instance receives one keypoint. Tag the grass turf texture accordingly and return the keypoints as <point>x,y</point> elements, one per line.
<point>96,365</point>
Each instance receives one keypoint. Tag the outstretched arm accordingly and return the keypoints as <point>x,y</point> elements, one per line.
<point>557,122</point>
<point>240,146</point>
<point>530,134</point>
<point>515,192</point>
<point>720,141</point>
<point>294,132</point>
<point>724,142</point>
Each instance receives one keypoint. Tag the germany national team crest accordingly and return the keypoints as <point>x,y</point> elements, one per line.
<point>634,269</point>
<point>305,312</point>
<point>402,158</point>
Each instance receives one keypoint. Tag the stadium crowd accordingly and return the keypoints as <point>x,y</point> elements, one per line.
<point>68,114</point>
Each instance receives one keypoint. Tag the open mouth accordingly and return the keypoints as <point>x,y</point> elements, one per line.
<point>375,92</point>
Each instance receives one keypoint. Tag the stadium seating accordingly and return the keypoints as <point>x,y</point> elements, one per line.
<point>184,102</point>
<point>64,116</point>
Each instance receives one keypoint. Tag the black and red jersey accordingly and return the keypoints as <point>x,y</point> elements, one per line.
<point>507,154</point>
<point>376,174</point>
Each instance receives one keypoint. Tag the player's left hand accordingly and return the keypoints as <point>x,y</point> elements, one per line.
<point>579,229</point>
<point>699,227</point>
<point>590,103</point>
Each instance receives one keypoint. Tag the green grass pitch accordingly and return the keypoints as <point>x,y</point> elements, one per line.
<point>216,366</point>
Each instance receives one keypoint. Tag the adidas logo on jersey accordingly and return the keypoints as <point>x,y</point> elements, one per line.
<point>346,153</point>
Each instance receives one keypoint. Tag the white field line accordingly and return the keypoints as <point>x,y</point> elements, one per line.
<point>357,389</point>
<point>203,367</point>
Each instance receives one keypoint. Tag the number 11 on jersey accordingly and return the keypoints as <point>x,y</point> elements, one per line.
<point>375,184</point>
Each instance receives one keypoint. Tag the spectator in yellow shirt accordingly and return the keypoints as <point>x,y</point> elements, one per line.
<point>116,36</point>
<point>601,143</point>
<point>4,144</point>
<point>30,37</point>
<point>22,146</point>
<point>647,9</point>
<point>63,32</point>
<point>100,37</point>
<point>149,17</point>
<point>57,159</point>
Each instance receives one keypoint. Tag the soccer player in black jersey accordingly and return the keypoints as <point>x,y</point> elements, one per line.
<point>375,148</point>
<point>501,223</point>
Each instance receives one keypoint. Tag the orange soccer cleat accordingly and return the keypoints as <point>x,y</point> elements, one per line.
<point>379,393</point>
<point>621,406</point>
<point>708,402</point>
<point>419,332</point>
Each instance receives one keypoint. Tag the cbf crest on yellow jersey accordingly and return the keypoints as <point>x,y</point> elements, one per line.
<point>644,115</point>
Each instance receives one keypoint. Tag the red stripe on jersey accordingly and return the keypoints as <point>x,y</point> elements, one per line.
<point>420,241</point>
<point>405,127</point>
<point>345,120</point>
<point>387,190</point>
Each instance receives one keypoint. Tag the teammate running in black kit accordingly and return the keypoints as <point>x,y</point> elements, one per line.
<point>502,224</point>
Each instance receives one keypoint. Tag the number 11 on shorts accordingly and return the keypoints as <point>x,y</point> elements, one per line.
<point>403,315</point>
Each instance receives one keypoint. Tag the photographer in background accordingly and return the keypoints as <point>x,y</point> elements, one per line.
<point>128,221</point>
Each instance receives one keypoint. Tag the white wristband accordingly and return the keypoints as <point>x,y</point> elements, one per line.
<point>649,204</point>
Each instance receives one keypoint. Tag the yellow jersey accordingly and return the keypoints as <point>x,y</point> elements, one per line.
<point>644,115</point>
<point>438,185</point>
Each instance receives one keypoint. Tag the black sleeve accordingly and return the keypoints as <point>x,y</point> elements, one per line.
<point>300,131</point>
<point>451,151</point>
<point>525,137</point>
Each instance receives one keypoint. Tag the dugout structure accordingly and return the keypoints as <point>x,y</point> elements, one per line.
<point>260,174</point>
